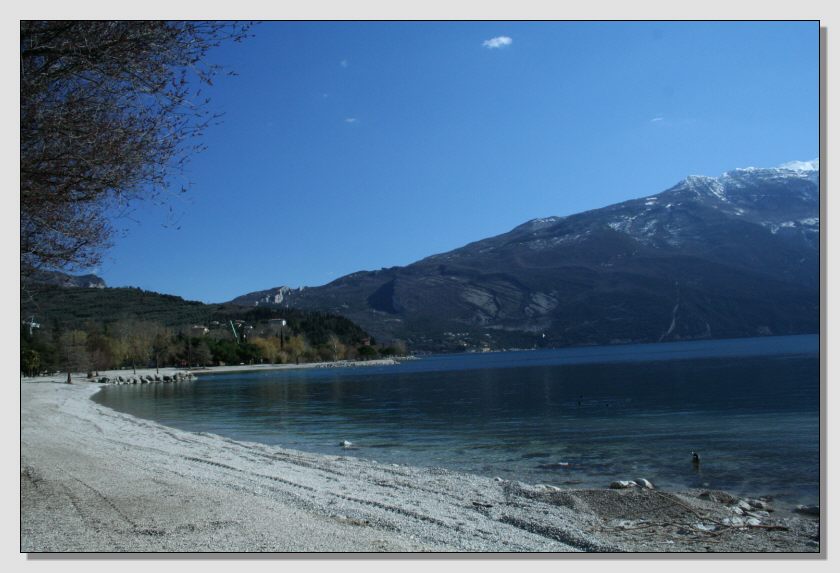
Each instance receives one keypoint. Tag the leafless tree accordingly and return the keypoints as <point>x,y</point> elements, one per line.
<point>109,111</point>
<point>73,348</point>
<point>137,339</point>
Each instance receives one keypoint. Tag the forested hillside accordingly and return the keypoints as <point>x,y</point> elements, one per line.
<point>103,328</point>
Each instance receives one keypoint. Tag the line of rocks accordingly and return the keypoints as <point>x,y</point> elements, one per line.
<point>355,363</point>
<point>146,378</point>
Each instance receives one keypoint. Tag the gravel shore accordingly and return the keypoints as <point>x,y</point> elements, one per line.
<point>93,479</point>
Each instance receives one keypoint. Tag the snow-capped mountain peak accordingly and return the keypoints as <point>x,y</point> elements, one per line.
<point>812,165</point>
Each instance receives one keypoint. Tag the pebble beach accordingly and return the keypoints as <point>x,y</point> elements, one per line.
<point>96,480</point>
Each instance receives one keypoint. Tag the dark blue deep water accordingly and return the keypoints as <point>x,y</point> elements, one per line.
<point>572,417</point>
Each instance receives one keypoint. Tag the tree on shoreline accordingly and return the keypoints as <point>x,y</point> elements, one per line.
<point>102,350</point>
<point>108,110</point>
<point>137,339</point>
<point>73,347</point>
<point>296,347</point>
<point>161,345</point>
<point>202,356</point>
<point>30,362</point>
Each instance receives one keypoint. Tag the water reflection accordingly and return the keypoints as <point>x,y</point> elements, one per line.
<point>754,419</point>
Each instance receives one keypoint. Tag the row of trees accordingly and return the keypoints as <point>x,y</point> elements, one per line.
<point>142,344</point>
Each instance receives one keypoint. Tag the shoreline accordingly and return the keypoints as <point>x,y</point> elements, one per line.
<point>112,375</point>
<point>93,479</point>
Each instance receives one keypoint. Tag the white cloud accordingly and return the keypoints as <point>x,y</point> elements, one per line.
<point>657,118</point>
<point>344,63</point>
<point>497,42</point>
<point>351,120</point>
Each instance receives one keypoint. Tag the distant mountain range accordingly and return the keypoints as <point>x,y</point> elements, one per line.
<point>57,278</point>
<point>711,257</point>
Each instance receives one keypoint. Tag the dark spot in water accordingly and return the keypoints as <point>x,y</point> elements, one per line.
<point>532,455</point>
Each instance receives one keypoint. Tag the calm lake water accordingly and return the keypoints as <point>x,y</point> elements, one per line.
<point>573,417</point>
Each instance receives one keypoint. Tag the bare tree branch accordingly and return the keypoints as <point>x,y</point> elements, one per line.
<point>107,112</point>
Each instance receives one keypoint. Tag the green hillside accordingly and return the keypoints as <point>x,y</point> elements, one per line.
<point>103,328</point>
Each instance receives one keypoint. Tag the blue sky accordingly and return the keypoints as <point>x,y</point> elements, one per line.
<point>356,146</point>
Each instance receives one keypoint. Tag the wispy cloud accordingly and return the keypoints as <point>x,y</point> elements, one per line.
<point>657,118</point>
<point>351,120</point>
<point>343,63</point>
<point>497,42</point>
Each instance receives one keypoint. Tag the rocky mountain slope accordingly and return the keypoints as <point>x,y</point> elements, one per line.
<point>57,278</point>
<point>711,257</point>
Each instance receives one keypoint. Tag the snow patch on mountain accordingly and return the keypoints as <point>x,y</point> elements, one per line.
<point>808,223</point>
<point>812,165</point>
<point>545,220</point>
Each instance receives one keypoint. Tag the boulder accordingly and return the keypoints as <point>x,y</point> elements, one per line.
<point>719,497</point>
<point>642,482</point>
<point>734,521</point>
<point>623,484</point>
<point>808,509</point>
<point>759,504</point>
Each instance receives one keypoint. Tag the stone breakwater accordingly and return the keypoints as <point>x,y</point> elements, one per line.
<point>144,378</point>
<point>171,374</point>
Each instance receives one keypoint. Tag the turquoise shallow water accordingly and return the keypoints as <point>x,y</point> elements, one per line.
<point>578,417</point>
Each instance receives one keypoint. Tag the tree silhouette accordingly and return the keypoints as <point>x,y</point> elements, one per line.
<point>107,111</point>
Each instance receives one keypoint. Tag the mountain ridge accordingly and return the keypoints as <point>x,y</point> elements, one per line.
<point>733,255</point>
<point>58,278</point>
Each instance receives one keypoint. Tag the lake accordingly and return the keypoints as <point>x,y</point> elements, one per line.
<point>578,417</point>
